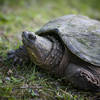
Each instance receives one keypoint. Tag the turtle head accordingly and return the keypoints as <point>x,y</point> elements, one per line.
<point>38,47</point>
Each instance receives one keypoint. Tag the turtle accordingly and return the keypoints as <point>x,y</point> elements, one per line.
<point>67,46</point>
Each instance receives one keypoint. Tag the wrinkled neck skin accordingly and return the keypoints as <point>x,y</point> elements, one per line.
<point>58,59</point>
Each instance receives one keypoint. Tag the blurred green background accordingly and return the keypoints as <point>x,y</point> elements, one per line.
<point>20,15</point>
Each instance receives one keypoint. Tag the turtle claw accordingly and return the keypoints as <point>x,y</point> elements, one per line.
<point>18,56</point>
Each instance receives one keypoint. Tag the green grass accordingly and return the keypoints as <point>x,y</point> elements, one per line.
<point>29,82</point>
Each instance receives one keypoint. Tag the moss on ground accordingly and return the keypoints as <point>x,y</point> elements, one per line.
<point>29,82</point>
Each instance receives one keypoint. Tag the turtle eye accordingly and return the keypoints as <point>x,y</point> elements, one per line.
<point>31,36</point>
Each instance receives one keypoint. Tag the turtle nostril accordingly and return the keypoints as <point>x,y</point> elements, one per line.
<point>31,36</point>
<point>23,32</point>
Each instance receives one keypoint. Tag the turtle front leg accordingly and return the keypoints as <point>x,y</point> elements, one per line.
<point>18,56</point>
<point>86,78</point>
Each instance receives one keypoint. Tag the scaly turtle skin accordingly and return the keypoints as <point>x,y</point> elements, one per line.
<point>68,46</point>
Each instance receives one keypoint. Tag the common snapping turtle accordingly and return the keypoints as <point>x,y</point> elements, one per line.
<point>68,46</point>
